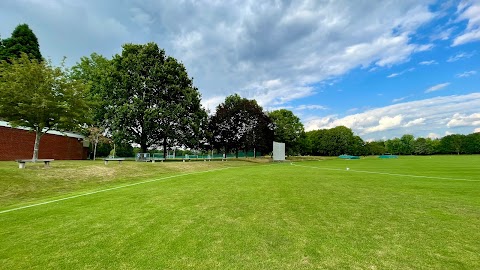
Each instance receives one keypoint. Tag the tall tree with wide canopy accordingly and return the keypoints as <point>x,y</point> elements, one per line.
<point>36,95</point>
<point>239,123</point>
<point>288,129</point>
<point>152,101</point>
<point>335,141</point>
<point>23,40</point>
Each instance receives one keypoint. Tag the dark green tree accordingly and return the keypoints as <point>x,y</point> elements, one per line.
<point>341,140</point>
<point>336,141</point>
<point>152,101</point>
<point>420,146</point>
<point>36,95</point>
<point>394,146</point>
<point>375,148</point>
<point>288,129</point>
<point>304,144</point>
<point>23,40</point>
<point>452,144</point>
<point>239,123</point>
<point>472,143</point>
<point>408,142</point>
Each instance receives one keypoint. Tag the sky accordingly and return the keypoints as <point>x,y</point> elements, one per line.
<point>382,68</point>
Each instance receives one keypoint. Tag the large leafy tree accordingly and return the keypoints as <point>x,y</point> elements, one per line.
<point>94,71</point>
<point>23,40</point>
<point>335,141</point>
<point>288,129</point>
<point>239,123</point>
<point>36,95</point>
<point>472,143</point>
<point>452,144</point>
<point>151,99</point>
<point>183,121</point>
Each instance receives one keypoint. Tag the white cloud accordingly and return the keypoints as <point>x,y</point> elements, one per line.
<point>386,122</point>
<point>442,33</point>
<point>211,103</point>
<point>466,74</point>
<point>400,73</point>
<point>437,87</point>
<point>393,75</point>
<point>470,11</point>
<point>432,135</point>
<point>396,100</point>
<point>476,130</point>
<point>427,63</point>
<point>416,122</point>
<point>420,117</point>
<point>311,107</point>
<point>463,120</point>
<point>460,56</point>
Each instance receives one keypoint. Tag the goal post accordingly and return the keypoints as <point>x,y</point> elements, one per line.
<point>278,151</point>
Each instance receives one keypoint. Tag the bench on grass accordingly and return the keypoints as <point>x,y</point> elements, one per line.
<point>21,162</point>
<point>153,159</point>
<point>113,159</point>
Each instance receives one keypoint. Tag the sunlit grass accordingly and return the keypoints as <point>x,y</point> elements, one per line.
<point>274,216</point>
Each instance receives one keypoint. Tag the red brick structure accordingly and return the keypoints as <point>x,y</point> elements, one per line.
<point>17,143</point>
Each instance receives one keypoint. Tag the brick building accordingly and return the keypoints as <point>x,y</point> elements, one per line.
<point>17,143</point>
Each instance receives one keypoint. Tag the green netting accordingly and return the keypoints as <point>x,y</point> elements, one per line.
<point>388,156</point>
<point>348,157</point>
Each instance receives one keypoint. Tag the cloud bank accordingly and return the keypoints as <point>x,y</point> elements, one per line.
<point>426,116</point>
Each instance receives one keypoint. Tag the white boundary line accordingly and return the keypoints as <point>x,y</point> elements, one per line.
<point>391,174</point>
<point>109,189</point>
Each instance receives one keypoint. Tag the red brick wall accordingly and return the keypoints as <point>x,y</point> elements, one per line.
<point>18,144</point>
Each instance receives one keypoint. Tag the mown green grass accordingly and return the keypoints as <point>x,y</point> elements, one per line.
<point>253,216</point>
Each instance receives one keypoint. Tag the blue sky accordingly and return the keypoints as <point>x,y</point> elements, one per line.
<point>383,68</point>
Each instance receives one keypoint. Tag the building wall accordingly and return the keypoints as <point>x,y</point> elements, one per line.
<point>18,144</point>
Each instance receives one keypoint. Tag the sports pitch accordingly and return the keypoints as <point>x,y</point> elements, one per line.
<point>406,213</point>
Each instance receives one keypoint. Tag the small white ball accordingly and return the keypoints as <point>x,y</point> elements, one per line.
<point>348,168</point>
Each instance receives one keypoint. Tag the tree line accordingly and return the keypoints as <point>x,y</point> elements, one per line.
<point>341,140</point>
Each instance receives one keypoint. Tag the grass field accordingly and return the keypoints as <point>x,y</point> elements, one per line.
<point>406,213</point>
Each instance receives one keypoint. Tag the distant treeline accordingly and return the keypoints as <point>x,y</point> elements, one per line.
<point>341,140</point>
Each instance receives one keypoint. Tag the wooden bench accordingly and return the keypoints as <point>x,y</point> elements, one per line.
<point>21,162</point>
<point>113,159</point>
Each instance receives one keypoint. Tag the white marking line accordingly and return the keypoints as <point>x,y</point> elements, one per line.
<point>391,174</point>
<point>108,189</point>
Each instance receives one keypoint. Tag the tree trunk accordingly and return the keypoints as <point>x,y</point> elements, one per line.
<point>164,148</point>
<point>36,146</point>
<point>95,148</point>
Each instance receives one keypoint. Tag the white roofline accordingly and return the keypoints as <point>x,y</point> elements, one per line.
<point>53,132</point>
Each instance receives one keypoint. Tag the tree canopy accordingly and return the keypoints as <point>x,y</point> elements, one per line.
<point>287,129</point>
<point>94,71</point>
<point>151,99</point>
<point>36,95</point>
<point>23,40</point>
<point>239,123</point>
